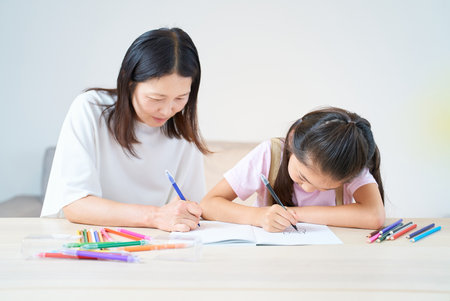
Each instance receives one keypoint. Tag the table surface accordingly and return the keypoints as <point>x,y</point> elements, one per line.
<point>353,269</point>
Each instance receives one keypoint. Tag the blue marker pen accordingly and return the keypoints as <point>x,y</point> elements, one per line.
<point>177,189</point>
<point>174,184</point>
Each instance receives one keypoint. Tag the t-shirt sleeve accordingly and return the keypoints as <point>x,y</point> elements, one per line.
<point>74,174</point>
<point>244,178</point>
<point>364,178</point>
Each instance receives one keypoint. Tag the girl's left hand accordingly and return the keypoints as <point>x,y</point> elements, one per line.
<point>276,219</point>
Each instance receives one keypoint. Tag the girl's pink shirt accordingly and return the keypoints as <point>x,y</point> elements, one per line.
<point>245,180</point>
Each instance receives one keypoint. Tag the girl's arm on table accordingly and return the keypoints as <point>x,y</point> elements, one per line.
<point>176,216</point>
<point>218,205</point>
<point>367,211</point>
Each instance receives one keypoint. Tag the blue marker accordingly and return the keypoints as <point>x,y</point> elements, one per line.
<point>177,189</point>
<point>174,184</point>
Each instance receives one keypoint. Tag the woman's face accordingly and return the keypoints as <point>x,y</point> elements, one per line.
<point>309,178</point>
<point>158,99</point>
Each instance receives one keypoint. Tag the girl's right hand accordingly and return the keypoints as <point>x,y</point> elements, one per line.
<point>178,215</point>
<point>276,219</point>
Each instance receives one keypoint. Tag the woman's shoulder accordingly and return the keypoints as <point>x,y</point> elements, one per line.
<point>92,101</point>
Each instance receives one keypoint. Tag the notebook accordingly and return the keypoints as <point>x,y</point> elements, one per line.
<point>213,232</point>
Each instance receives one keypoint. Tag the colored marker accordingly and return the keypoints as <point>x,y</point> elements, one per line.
<point>122,234</point>
<point>154,247</point>
<point>425,234</point>
<point>374,232</point>
<point>94,236</point>
<point>106,235</point>
<point>373,238</point>
<point>102,255</point>
<point>138,235</point>
<point>420,231</point>
<point>85,238</point>
<point>108,244</point>
<point>175,186</point>
<point>393,231</point>
<point>60,255</point>
<point>89,236</point>
<point>400,233</point>
<point>391,226</point>
<point>100,236</point>
<point>382,237</point>
<point>274,195</point>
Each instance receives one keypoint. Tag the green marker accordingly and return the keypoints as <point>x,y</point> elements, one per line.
<point>106,244</point>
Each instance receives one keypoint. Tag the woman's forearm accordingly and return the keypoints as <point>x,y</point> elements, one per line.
<point>99,211</point>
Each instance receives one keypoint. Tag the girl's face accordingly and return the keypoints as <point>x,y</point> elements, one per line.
<point>158,99</point>
<point>309,178</point>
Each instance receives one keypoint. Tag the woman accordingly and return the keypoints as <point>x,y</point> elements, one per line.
<point>115,144</point>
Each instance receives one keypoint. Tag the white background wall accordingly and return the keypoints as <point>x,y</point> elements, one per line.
<point>265,63</point>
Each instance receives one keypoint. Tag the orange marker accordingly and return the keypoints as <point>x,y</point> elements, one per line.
<point>122,234</point>
<point>89,236</point>
<point>153,247</point>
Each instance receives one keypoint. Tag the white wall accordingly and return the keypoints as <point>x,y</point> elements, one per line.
<point>265,63</point>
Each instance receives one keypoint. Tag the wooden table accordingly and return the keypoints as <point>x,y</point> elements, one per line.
<point>355,269</point>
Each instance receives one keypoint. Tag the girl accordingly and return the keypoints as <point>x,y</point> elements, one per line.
<point>329,158</point>
<point>115,144</point>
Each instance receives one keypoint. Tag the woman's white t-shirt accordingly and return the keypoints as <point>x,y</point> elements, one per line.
<point>89,161</point>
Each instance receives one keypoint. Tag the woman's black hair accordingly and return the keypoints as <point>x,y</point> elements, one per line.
<point>339,143</point>
<point>154,54</point>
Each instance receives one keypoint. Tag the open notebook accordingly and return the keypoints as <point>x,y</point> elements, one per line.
<point>212,232</point>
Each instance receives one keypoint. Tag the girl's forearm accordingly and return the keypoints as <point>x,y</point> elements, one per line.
<point>99,211</point>
<point>351,215</point>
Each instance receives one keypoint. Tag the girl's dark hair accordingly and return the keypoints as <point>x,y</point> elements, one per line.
<point>154,54</point>
<point>338,142</point>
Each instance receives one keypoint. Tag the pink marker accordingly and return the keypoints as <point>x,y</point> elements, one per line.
<point>373,238</point>
<point>134,233</point>
<point>106,235</point>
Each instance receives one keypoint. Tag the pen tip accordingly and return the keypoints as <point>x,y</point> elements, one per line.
<point>263,178</point>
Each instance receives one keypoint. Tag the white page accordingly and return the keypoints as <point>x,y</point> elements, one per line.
<point>307,234</point>
<point>220,232</point>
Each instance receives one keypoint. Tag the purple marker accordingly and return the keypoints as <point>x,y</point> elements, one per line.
<point>102,255</point>
<point>391,226</point>
<point>420,231</point>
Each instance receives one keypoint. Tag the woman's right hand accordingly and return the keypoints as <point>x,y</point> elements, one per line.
<point>178,215</point>
<point>276,219</point>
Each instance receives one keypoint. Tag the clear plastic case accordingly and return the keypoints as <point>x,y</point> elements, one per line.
<point>159,248</point>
